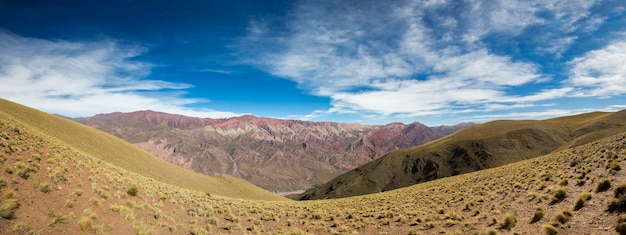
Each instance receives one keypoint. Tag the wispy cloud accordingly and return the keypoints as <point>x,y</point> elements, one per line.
<point>86,78</point>
<point>416,58</point>
<point>600,72</point>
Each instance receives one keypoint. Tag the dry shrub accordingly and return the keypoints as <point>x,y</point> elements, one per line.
<point>539,213</point>
<point>8,208</point>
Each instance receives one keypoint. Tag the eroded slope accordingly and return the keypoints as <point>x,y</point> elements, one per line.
<point>471,149</point>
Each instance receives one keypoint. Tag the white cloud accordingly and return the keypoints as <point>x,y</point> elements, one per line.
<point>559,46</point>
<point>600,72</point>
<point>484,67</point>
<point>417,58</point>
<point>86,78</point>
<point>511,17</point>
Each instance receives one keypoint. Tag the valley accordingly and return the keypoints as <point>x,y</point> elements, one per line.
<point>274,154</point>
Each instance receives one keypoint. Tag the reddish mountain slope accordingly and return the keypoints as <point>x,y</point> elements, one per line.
<point>276,154</point>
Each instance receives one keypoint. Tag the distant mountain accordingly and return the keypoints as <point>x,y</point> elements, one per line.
<point>275,154</point>
<point>474,148</point>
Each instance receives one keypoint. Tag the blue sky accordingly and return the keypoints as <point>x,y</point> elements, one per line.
<point>375,62</point>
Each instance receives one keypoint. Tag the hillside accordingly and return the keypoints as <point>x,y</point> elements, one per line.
<point>110,149</point>
<point>49,187</point>
<point>474,148</point>
<point>278,155</point>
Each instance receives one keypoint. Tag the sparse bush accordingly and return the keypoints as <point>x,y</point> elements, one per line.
<point>618,202</point>
<point>620,190</point>
<point>616,166</point>
<point>57,219</point>
<point>539,213</point>
<point>132,191</point>
<point>23,171</point>
<point>558,194</point>
<point>450,223</point>
<point>621,225</point>
<point>44,188</point>
<point>621,228</point>
<point>550,230</point>
<point>494,221</point>
<point>454,216</point>
<point>94,201</point>
<point>8,208</point>
<point>562,217</point>
<point>508,222</point>
<point>603,186</point>
<point>22,228</point>
<point>9,194</point>
<point>401,219</point>
<point>86,224</point>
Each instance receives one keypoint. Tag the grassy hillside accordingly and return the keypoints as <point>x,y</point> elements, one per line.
<point>474,148</point>
<point>48,187</point>
<point>110,149</point>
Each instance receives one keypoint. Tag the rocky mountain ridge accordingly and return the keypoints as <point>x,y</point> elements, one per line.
<point>276,154</point>
<point>475,148</point>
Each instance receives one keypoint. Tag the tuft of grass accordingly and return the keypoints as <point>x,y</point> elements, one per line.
<point>44,188</point>
<point>539,213</point>
<point>580,202</point>
<point>559,193</point>
<point>621,228</point>
<point>620,190</point>
<point>550,230</point>
<point>86,224</point>
<point>618,202</point>
<point>603,186</point>
<point>57,219</point>
<point>132,191</point>
<point>22,228</point>
<point>9,194</point>
<point>621,225</point>
<point>561,217</point>
<point>8,208</point>
<point>508,222</point>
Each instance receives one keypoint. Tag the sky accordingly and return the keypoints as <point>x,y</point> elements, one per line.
<point>437,62</point>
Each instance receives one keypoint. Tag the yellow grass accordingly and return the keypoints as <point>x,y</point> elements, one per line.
<point>113,150</point>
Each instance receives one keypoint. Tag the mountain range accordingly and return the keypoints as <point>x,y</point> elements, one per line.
<point>275,154</point>
<point>475,148</point>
